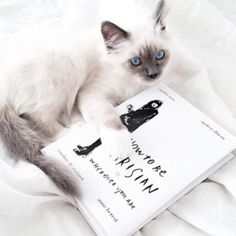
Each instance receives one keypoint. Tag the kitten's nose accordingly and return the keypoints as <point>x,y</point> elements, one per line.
<point>153,75</point>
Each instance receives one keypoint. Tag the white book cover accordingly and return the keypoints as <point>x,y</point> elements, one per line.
<point>175,147</point>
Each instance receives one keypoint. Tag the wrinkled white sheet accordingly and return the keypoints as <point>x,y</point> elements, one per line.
<point>204,71</point>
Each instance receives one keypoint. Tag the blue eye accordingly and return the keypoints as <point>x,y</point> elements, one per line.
<point>160,55</point>
<point>136,61</point>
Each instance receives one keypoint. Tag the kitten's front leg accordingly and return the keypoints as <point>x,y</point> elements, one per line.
<point>99,111</point>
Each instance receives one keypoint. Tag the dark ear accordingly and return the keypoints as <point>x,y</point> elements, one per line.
<point>113,35</point>
<point>159,13</point>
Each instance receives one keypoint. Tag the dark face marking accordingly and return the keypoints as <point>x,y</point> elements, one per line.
<point>151,66</point>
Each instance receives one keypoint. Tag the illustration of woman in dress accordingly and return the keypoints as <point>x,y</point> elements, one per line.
<point>132,120</point>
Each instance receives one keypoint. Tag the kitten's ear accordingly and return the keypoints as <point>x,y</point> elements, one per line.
<point>113,35</point>
<point>160,12</point>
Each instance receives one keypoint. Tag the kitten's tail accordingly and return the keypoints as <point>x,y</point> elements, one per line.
<point>25,144</point>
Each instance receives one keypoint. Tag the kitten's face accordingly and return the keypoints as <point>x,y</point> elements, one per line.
<point>148,63</point>
<point>143,56</point>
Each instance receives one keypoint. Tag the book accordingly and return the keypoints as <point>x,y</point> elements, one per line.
<point>175,147</point>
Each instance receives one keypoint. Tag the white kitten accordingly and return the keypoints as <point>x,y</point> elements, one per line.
<point>45,76</point>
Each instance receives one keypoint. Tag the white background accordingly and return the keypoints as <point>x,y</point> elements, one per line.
<point>31,205</point>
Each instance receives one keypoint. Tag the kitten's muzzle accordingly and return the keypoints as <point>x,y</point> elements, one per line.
<point>153,76</point>
<point>152,73</point>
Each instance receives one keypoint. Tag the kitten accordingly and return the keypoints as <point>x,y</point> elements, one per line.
<point>45,81</point>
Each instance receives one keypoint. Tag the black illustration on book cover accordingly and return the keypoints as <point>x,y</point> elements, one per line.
<point>132,120</point>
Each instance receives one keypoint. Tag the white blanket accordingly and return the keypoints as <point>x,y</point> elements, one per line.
<point>204,71</point>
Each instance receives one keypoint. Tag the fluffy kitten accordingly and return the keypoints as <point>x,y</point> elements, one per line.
<point>45,81</point>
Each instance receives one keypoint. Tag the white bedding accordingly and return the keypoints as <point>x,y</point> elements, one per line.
<point>205,73</point>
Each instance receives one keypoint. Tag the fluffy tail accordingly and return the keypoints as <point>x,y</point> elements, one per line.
<point>24,143</point>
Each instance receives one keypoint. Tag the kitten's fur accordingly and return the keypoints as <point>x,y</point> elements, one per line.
<point>40,89</point>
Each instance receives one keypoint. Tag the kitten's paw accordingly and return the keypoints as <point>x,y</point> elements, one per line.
<point>116,143</point>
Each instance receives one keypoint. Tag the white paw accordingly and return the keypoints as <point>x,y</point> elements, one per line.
<point>116,143</point>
